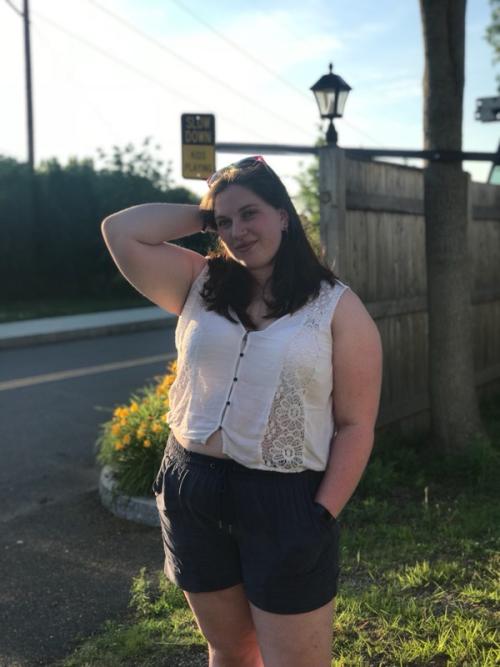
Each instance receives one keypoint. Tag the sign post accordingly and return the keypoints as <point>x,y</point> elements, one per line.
<point>198,145</point>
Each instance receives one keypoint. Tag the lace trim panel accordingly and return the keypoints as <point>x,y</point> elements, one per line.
<point>283,443</point>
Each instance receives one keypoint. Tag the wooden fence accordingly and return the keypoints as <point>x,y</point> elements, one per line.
<point>373,230</point>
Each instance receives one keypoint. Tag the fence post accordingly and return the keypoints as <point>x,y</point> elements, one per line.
<point>332,223</point>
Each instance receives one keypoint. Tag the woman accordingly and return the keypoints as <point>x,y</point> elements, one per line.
<point>265,449</point>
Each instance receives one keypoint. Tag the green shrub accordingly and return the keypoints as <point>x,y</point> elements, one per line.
<point>133,441</point>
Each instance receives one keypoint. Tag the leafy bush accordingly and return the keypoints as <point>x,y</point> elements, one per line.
<point>133,441</point>
<point>51,243</point>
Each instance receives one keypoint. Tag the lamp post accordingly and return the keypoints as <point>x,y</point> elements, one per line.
<point>331,93</point>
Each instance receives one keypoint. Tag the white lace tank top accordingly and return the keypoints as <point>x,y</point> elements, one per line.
<point>269,391</point>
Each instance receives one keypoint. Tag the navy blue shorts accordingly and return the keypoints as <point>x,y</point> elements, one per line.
<point>223,523</point>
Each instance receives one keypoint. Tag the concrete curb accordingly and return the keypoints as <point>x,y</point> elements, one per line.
<point>88,325</point>
<point>139,509</point>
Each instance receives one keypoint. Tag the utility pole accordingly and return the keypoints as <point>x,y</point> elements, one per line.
<point>34,250</point>
<point>27,63</point>
<point>29,95</point>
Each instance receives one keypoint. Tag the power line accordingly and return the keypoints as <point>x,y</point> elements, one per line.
<point>259,62</point>
<point>238,48</point>
<point>222,83</point>
<point>134,69</point>
<point>221,36</point>
<point>162,46</point>
<point>12,6</point>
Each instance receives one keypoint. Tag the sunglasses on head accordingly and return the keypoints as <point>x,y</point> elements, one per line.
<point>240,164</point>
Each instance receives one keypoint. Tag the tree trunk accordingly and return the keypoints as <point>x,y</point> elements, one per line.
<point>455,418</point>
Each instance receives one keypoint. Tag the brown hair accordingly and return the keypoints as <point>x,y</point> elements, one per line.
<point>297,271</point>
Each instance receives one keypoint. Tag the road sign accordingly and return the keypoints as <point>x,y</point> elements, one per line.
<point>198,145</point>
<point>488,109</point>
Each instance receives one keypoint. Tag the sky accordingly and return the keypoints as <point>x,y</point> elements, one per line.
<point>113,72</point>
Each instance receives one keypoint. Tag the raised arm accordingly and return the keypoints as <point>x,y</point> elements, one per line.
<point>138,241</point>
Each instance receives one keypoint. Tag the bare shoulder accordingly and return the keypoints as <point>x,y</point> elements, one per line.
<point>357,361</point>
<point>350,315</point>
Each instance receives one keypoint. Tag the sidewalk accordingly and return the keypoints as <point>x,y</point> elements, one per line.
<point>75,327</point>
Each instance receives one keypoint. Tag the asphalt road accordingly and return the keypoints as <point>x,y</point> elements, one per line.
<point>66,563</point>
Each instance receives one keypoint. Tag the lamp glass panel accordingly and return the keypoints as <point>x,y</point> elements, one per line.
<point>342,98</point>
<point>325,100</point>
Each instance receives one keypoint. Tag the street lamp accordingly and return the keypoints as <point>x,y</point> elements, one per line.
<point>331,93</point>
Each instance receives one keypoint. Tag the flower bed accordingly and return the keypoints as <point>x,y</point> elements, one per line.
<point>133,441</point>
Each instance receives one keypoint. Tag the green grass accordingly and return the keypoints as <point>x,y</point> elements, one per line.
<point>419,583</point>
<point>16,311</point>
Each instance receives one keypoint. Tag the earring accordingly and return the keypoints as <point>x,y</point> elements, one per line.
<point>284,219</point>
